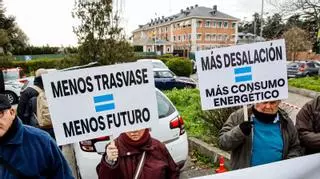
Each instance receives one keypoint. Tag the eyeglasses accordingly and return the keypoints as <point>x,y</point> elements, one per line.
<point>3,112</point>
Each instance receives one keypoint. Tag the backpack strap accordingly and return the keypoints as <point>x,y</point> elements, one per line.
<point>13,170</point>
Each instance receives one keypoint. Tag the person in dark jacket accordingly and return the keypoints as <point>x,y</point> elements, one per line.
<point>27,152</point>
<point>308,126</point>
<point>123,156</point>
<point>2,86</point>
<point>24,109</point>
<point>267,136</point>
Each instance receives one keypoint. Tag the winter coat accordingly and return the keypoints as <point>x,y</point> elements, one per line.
<point>308,126</point>
<point>33,153</point>
<point>231,138</point>
<point>158,162</point>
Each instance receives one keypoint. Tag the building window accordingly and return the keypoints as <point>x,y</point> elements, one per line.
<point>233,38</point>
<point>225,24</point>
<point>198,23</point>
<point>214,24</point>
<point>207,24</point>
<point>166,29</point>
<point>179,38</point>
<point>149,49</point>
<point>213,37</point>
<point>220,24</point>
<point>219,37</point>
<point>207,37</point>
<point>198,36</point>
<point>234,25</point>
<point>189,37</point>
<point>226,37</point>
<point>174,38</point>
<point>168,49</point>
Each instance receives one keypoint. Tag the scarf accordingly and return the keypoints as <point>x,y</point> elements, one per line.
<point>263,117</point>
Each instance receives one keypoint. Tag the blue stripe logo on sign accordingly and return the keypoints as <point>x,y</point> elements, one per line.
<point>243,74</point>
<point>104,102</point>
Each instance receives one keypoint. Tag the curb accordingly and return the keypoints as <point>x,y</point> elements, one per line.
<point>208,151</point>
<point>304,92</point>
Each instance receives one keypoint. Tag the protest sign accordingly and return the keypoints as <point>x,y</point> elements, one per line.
<point>107,100</point>
<point>244,74</point>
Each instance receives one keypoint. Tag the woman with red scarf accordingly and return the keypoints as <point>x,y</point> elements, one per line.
<point>136,155</point>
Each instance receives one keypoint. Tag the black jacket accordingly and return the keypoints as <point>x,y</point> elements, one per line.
<point>24,109</point>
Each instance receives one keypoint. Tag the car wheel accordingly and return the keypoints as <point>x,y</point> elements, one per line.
<point>11,96</point>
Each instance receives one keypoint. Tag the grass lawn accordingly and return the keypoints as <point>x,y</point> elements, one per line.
<point>310,83</point>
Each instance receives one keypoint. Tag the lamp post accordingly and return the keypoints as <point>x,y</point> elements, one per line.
<point>261,19</point>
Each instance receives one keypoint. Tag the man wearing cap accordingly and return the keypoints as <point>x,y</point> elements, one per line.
<point>267,136</point>
<point>27,152</point>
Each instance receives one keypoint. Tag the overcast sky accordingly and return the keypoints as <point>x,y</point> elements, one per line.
<point>50,21</point>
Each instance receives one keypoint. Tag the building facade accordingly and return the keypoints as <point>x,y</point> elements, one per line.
<point>194,28</point>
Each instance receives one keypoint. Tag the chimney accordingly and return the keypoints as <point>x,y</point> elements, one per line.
<point>151,20</point>
<point>181,11</point>
<point>215,8</point>
<point>162,17</point>
<point>196,5</point>
<point>191,7</point>
<point>187,8</point>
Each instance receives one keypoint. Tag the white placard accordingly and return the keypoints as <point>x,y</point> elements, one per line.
<point>243,74</point>
<point>306,167</point>
<point>101,101</point>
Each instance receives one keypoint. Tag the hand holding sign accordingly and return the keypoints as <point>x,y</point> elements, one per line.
<point>112,152</point>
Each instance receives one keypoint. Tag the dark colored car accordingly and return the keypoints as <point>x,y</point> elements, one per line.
<point>166,80</point>
<point>302,69</point>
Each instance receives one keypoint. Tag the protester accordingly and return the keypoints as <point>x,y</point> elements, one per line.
<point>27,152</point>
<point>308,126</point>
<point>268,136</point>
<point>2,85</point>
<point>24,109</point>
<point>137,155</point>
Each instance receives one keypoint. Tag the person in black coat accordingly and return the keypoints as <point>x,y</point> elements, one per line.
<point>24,109</point>
<point>2,86</point>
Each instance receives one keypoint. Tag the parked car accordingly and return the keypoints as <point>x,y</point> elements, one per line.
<point>12,90</point>
<point>302,69</point>
<point>13,74</point>
<point>170,131</point>
<point>166,80</point>
<point>156,63</point>
<point>194,66</point>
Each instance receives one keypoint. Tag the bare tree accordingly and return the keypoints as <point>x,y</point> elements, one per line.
<point>296,41</point>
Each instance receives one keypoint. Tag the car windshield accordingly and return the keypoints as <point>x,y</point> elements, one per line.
<point>165,108</point>
<point>165,74</point>
<point>294,65</point>
<point>158,65</point>
<point>10,75</point>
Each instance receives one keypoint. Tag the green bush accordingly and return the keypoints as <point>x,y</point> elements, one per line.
<point>204,125</point>
<point>31,66</point>
<point>180,66</point>
<point>310,83</point>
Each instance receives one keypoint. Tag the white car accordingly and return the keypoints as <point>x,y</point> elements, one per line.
<point>156,63</point>
<point>170,131</point>
<point>12,90</point>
